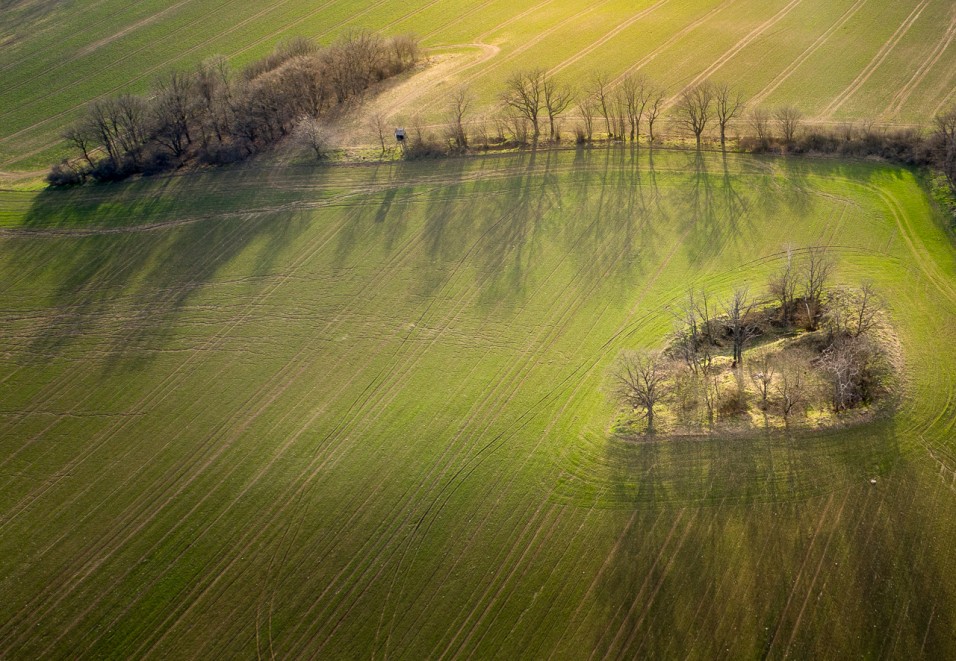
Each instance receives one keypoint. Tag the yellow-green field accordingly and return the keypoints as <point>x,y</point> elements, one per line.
<point>890,62</point>
<point>360,411</point>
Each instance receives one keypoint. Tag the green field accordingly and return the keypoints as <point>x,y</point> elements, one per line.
<point>360,412</point>
<point>886,61</point>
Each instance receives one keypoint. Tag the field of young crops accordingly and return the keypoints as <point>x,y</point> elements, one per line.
<point>361,411</point>
<point>889,62</point>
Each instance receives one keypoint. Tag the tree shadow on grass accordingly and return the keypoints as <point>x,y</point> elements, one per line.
<point>778,547</point>
<point>121,262</point>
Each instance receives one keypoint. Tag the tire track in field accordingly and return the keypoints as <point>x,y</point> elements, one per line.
<point>665,546</point>
<point>903,95</point>
<point>307,476</point>
<point>159,391</point>
<point>272,396</point>
<point>531,359</point>
<point>52,92</point>
<point>874,63</point>
<point>476,433</point>
<point>460,18</point>
<point>534,41</point>
<point>587,50</point>
<point>782,77</point>
<point>800,572</point>
<point>463,447</point>
<point>514,19</point>
<point>59,386</point>
<point>738,47</point>
<point>523,420</point>
<point>156,392</point>
<point>673,39</point>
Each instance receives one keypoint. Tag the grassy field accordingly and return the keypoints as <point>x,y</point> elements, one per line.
<point>360,411</point>
<point>849,59</point>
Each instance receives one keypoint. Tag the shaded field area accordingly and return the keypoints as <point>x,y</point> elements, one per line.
<point>362,411</point>
<point>884,61</point>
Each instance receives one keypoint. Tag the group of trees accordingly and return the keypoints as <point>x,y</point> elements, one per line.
<point>843,352</point>
<point>212,115</point>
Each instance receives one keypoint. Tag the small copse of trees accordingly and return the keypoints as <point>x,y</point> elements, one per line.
<point>818,347</point>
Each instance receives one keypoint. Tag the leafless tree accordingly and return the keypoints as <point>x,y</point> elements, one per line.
<point>599,89</point>
<point>557,97</point>
<point>641,381</point>
<point>310,132</point>
<point>790,387</point>
<point>655,106</point>
<point>788,118</point>
<point>760,123</point>
<point>587,109</point>
<point>944,137</point>
<point>739,309</point>
<point>82,135</point>
<point>783,287</point>
<point>761,373</point>
<point>851,367</point>
<point>817,270</point>
<point>728,104</point>
<point>174,98</point>
<point>524,95</point>
<point>378,125</point>
<point>459,105</point>
<point>695,108</point>
<point>866,309</point>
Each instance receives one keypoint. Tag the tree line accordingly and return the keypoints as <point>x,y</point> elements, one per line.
<point>212,115</point>
<point>533,105</point>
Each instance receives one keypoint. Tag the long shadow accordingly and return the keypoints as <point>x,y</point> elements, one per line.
<point>120,263</point>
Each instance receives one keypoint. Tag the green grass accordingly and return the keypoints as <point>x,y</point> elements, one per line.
<point>56,58</point>
<point>361,411</point>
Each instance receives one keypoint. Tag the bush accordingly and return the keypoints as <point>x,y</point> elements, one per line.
<point>64,174</point>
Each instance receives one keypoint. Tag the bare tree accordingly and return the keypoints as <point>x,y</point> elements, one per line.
<point>695,108</point>
<point>174,97</point>
<point>557,98</point>
<point>654,106</point>
<point>599,89</point>
<point>760,123</point>
<point>783,287</point>
<point>378,125</point>
<point>458,107</point>
<point>788,118</point>
<point>817,270</point>
<point>640,381</point>
<point>851,366</point>
<point>790,388</point>
<point>866,309</point>
<point>587,109</point>
<point>728,103</point>
<point>944,137</point>
<point>83,136</point>
<point>524,94</point>
<point>310,132</point>
<point>761,373</point>
<point>739,322</point>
